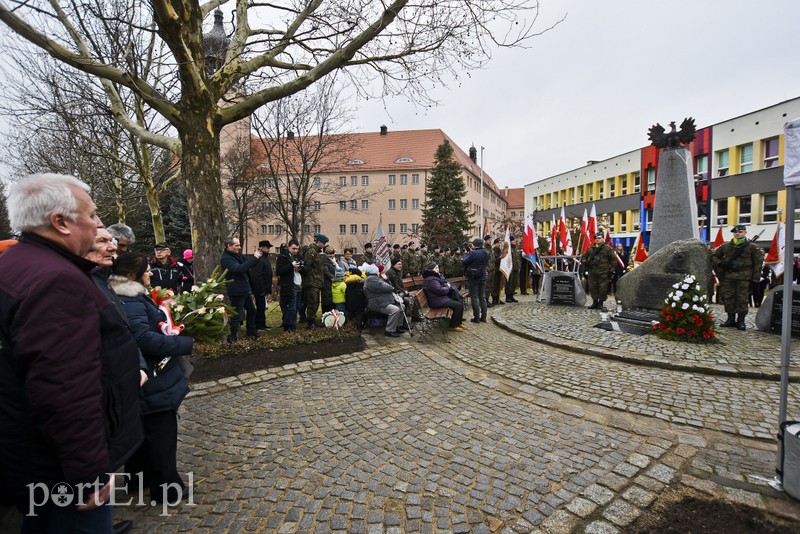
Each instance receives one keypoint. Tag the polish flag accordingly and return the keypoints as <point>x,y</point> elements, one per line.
<point>718,240</point>
<point>591,226</point>
<point>641,253</point>
<point>775,255</point>
<point>586,239</point>
<point>553,237</point>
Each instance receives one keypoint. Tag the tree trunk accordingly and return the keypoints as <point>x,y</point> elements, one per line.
<point>200,167</point>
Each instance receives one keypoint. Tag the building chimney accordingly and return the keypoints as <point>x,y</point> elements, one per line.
<point>473,154</point>
<point>290,135</point>
<point>384,130</point>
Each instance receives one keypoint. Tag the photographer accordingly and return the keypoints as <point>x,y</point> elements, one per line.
<point>290,268</point>
<point>738,266</point>
<point>475,269</point>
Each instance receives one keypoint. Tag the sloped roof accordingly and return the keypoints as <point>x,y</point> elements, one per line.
<point>392,152</point>
<point>515,197</point>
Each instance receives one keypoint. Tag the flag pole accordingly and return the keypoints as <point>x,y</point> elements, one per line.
<point>482,218</point>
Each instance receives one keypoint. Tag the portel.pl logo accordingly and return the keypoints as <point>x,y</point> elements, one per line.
<point>63,494</point>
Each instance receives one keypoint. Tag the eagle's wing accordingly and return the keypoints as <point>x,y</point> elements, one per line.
<point>687,131</point>
<point>656,136</point>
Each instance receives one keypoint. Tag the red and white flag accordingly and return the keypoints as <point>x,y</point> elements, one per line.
<point>718,241</point>
<point>564,234</point>
<point>381,248</point>
<point>553,237</point>
<point>591,226</point>
<point>586,239</point>
<point>775,255</point>
<point>641,253</point>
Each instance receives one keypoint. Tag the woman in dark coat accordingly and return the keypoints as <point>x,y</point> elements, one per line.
<point>438,291</point>
<point>166,386</point>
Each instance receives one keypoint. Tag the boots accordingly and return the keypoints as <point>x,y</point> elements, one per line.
<point>740,321</point>
<point>731,321</point>
<point>595,304</point>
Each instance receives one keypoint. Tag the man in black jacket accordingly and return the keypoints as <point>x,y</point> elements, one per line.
<point>62,426</point>
<point>261,278</point>
<point>238,287</point>
<point>166,273</point>
<point>289,268</point>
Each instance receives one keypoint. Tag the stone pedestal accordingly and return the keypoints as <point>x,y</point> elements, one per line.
<point>769,317</point>
<point>675,211</point>
<point>564,288</point>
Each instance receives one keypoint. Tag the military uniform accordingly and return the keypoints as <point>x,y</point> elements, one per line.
<point>737,264</point>
<point>313,278</point>
<point>599,262</point>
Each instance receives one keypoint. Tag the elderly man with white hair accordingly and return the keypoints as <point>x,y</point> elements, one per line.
<point>69,368</point>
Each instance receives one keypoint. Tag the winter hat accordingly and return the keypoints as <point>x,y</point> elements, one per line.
<point>355,270</point>
<point>370,269</point>
<point>431,266</point>
<point>188,254</point>
<point>381,268</point>
<point>339,274</point>
<point>396,260</point>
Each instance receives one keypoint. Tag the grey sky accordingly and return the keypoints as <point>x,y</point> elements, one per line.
<point>591,87</point>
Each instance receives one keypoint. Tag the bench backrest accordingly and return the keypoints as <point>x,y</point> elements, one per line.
<point>422,299</point>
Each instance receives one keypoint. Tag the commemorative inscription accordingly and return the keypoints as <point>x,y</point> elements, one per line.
<point>776,325</point>
<point>562,290</point>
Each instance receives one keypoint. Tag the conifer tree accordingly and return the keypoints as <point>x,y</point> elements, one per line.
<point>5,225</point>
<point>445,218</point>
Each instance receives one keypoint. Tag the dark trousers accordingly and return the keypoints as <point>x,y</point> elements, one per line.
<point>458,311</point>
<point>156,458</point>
<point>477,296</point>
<point>288,302</point>
<point>261,311</point>
<point>243,303</point>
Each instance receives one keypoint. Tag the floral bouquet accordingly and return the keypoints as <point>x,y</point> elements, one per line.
<point>686,315</point>
<point>200,313</point>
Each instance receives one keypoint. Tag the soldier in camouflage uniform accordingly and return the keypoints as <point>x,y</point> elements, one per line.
<point>368,256</point>
<point>313,278</point>
<point>458,267</point>
<point>405,255</point>
<point>516,264</point>
<point>598,260</point>
<point>737,264</point>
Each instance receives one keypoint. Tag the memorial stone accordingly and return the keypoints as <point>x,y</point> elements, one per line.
<point>675,210</point>
<point>646,287</point>
<point>564,288</point>
<point>770,314</point>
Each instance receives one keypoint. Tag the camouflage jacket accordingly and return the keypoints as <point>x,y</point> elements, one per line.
<point>737,262</point>
<point>313,276</point>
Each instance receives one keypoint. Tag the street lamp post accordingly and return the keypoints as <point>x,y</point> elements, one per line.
<point>480,220</point>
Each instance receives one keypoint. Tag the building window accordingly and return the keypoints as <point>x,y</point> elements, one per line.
<point>343,181</point>
<point>365,181</point>
<point>513,214</point>
<point>317,229</point>
<point>392,203</point>
<point>263,228</point>
<point>722,212</point>
<point>403,204</point>
<point>623,221</point>
<point>317,205</point>
<point>391,228</point>
<point>342,205</point>
<point>392,179</point>
<point>414,203</point>
<point>701,162</point>
<point>271,229</point>
<point>771,148</point>
<point>353,205</point>
<point>651,179</point>
<point>580,194</point>
<point>415,179</point>
<point>722,163</point>
<point>769,208</point>
<point>744,209</point>
<point>746,158</point>
<point>635,221</point>
<point>354,181</point>
<point>637,182</point>
<point>353,228</point>
<point>600,190</point>
<point>279,229</point>
<point>624,182</point>
<point>612,186</point>
<point>364,228</point>
<point>342,228</point>
<point>365,205</point>
<point>308,229</point>
<point>415,228</point>
<point>403,228</point>
<point>403,179</point>
<point>317,182</point>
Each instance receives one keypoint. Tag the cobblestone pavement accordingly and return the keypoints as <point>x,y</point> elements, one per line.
<point>493,432</point>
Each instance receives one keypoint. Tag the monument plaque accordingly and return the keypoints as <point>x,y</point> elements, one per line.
<point>562,290</point>
<point>776,323</point>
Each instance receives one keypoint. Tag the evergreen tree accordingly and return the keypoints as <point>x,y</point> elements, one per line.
<point>5,225</point>
<point>445,218</point>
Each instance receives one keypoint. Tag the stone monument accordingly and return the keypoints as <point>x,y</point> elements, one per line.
<point>675,210</point>
<point>646,287</point>
<point>564,288</point>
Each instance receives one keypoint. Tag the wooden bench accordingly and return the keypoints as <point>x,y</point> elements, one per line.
<point>461,283</point>
<point>441,316</point>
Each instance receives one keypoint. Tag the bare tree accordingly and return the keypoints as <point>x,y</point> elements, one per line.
<point>278,48</point>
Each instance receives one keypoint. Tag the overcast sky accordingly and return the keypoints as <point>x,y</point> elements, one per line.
<point>590,88</point>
